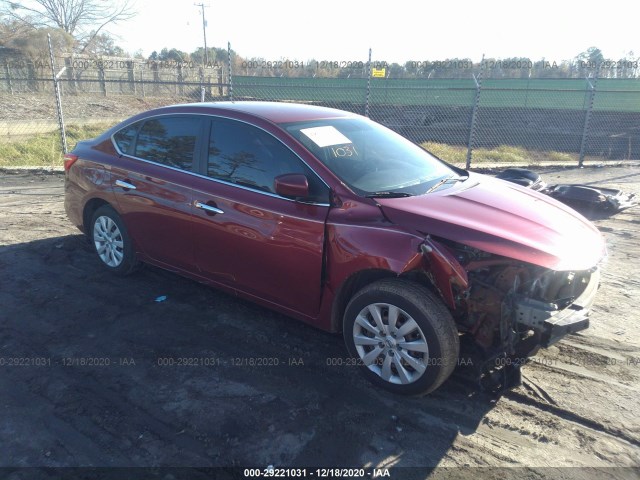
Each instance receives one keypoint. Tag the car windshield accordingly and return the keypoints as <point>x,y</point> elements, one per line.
<point>370,158</point>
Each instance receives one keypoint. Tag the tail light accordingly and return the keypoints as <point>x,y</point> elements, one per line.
<point>69,159</point>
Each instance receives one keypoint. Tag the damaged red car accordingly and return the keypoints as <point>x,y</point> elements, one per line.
<point>333,219</point>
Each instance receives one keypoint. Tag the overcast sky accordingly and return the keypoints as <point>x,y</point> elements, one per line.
<point>402,30</point>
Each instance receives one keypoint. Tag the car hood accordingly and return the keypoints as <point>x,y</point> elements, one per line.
<point>504,219</point>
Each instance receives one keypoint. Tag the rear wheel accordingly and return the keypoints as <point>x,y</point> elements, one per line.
<point>402,334</point>
<point>111,241</point>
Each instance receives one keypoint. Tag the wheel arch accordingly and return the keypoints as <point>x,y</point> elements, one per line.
<point>89,209</point>
<point>431,319</point>
<point>358,280</point>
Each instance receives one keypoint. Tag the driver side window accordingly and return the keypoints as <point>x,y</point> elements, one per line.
<point>248,156</point>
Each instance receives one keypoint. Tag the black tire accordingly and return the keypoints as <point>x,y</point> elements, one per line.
<point>434,326</point>
<point>118,254</point>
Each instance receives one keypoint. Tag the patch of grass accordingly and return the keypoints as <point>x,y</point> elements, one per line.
<point>41,150</point>
<point>45,150</point>
<point>562,157</point>
<point>455,154</point>
<point>503,154</point>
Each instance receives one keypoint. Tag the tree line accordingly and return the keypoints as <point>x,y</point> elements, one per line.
<point>79,27</point>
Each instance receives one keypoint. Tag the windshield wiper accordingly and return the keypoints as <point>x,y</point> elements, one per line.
<point>443,181</point>
<point>389,195</point>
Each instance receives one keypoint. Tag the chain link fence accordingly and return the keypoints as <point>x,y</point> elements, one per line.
<point>473,118</point>
<point>27,108</point>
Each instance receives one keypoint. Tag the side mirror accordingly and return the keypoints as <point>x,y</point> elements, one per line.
<point>293,185</point>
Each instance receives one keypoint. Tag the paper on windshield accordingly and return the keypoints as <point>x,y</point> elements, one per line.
<point>325,136</point>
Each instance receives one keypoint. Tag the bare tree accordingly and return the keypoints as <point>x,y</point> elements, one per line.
<point>10,30</point>
<point>83,19</point>
<point>33,43</point>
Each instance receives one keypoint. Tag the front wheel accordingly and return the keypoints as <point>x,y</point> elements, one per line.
<point>111,241</point>
<point>402,334</point>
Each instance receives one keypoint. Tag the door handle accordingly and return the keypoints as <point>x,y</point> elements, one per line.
<point>125,185</point>
<point>207,208</point>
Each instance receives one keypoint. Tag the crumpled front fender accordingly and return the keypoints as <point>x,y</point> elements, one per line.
<point>444,270</point>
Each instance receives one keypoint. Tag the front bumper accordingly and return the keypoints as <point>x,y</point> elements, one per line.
<point>553,323</point>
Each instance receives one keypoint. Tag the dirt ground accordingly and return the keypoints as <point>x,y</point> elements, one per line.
<point>81,106</point>
<point>94,372</point>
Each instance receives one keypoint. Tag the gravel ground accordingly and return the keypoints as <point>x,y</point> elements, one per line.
<point>92,371</point>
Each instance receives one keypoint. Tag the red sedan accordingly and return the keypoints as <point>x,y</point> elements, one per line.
<point>335,220</point>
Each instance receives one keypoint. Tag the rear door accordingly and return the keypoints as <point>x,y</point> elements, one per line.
<point>246,235</point>
<point>152,181</point>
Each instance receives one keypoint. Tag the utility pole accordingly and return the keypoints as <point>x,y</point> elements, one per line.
<point>204,31</point>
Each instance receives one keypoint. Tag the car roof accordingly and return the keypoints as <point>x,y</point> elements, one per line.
<point>276,112</point>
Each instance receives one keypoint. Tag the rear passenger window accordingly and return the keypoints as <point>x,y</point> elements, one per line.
<point>124,138</point>
<point>170,141</point>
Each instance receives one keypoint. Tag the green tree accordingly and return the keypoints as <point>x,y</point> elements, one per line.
<point>173,55</point>
<point>627,66</point>
<point>592,55</point>
<point>214,55</point>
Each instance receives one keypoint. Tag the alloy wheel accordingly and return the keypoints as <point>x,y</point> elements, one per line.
<point>108,241</point>
<point>390,343</point>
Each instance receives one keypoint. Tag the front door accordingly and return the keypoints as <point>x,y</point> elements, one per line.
<point>246,235</point>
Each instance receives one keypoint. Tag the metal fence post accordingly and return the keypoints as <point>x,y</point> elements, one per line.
<point>32,83</point>
<point>156,78</point>
<point>202,89</point>
<point>72,85</point>
<point>230,72</point>
<point>220,81</point>
<point>474,113</point>
<point>180,78</point>
<point>131,78</point>
<point>9,84</point>
<point>366,102</point>
<point>142,79</point>
<point>102,80</point>
<point>587,117</point>
<point>63,134</point>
